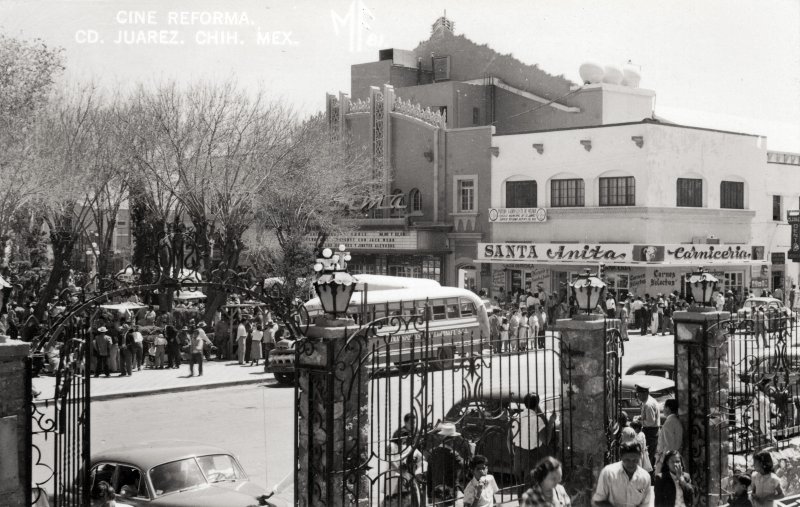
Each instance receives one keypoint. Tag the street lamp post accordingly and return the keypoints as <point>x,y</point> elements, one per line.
<point>702,284</point>
<point>587,291</point>
<point>334,285</point>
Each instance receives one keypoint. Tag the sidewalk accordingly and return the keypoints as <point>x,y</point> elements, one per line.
<point>147,381</point>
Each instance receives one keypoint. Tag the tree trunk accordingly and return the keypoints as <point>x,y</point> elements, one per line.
<point>231,251</point>
<point>63,244</point>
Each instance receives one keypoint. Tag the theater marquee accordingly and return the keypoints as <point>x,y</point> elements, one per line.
<point>618,253</point>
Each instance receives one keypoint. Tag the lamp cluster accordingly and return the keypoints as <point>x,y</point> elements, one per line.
<point>333,284</point>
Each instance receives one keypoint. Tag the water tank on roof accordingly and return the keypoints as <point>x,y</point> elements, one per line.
<point>591,73</point>
<point>612,75</point>
<point>631,76</point>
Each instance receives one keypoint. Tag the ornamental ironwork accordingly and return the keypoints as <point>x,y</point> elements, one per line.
<point>436,119</point>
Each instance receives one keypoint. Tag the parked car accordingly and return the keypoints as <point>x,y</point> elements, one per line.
<point>175,474</point>
<point>492,421</point>
<point>663,366</point>
<point>661,389</point>
<point>776,311</point>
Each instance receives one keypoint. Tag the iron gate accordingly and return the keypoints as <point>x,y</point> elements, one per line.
<point>434,400</point>
<point>60,427</point>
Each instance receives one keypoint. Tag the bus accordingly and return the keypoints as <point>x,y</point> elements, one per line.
<point>456,318</point>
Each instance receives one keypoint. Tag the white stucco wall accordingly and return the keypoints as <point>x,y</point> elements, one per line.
<point>668,152</point>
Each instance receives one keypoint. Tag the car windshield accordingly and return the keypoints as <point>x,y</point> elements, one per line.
<point>191,473</point>
<point>220,467</point>
<point>176,476</point>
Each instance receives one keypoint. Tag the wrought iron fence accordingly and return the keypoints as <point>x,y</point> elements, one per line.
<point>761,404</point>
<point>436,398</point>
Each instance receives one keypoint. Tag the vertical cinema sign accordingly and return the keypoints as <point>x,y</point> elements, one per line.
<point>793,217</point>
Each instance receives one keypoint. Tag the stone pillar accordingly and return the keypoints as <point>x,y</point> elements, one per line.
<point>14,418</point>
<point>702,369</point>
<point>332,426</point>
<point>584,375</point>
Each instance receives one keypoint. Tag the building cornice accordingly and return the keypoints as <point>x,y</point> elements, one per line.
<point>605,212</point>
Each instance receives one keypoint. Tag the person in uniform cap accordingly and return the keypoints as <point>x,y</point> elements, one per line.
<point>651,419</point>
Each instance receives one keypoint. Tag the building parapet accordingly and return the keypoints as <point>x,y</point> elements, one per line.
<point>783,157</point>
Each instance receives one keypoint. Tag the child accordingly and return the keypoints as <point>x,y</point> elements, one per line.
<point>739,497</point>
<point>766,485</point>
<point>504,335</point>
<point>645,459</point>
<point>482,487</point>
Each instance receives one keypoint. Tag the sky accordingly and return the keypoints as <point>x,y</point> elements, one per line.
<point>725,64</point>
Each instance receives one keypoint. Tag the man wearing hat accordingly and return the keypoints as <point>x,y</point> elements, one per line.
<point>199,342</point>
<point>102,347</point>
<point>651,420</point>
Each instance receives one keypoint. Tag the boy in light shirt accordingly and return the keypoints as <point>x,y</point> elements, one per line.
<point>482,487</point>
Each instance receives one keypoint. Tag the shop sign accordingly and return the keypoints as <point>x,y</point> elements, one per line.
<point>499,278</point>
<point>778,258</point>
<point>508,215</point>
<point>377,240</point>
<point>618,253</point>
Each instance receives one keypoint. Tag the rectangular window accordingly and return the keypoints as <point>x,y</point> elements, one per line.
<point>731,195</point>
<point>566,193</point>
<point>466,195</point>
<point>618,191</point>
<point>521,194</point>
<point>690,193</point>
<point>476,115</point>
<point>776,208</point>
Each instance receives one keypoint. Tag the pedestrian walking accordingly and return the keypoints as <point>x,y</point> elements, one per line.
<point>673,486</point>
<point>513,329</point>
<point>766,486</point>
<point>480,490</point>
<point>547,490</point>
<point>670,436</point>
<point>199,341</point>
<point>222,330</point>
<point>644,460</point>
<point>138,348</point>
<point>161,346</point>
<point>241,338</point>
<point>126,351</point>
<point>177,340</point>
<point>256,344</point>
<point>102,346</point>
<point>504,339</point>
<point>761,326</point>
<point>623,319</point>
<point>523,332</point>
<point>270,330</point>
<point>541,335</point>
<point>624,483</point>
<point>113,352</point>
<point>651,420</point>
<point>494,330</point>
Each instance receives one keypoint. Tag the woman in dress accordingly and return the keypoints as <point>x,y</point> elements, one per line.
<point>255,345</point>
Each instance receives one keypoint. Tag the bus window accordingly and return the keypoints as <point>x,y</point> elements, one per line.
<point>380,311</point>
<point>394,308</point>
<point>452,308</point>
<point>439,311</point>
<point>467,308</point>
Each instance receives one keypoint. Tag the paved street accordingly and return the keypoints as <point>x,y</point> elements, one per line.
<point>255,421</point>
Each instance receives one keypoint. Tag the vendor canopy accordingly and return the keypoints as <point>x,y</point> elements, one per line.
<point>618,253</point>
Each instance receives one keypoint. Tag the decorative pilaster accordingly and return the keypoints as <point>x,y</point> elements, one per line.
<point>332,430</point>
<point>702,369</point>
<point>588,381</point>
<point>15,468</point>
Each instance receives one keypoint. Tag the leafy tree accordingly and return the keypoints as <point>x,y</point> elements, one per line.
<point>28,70</point>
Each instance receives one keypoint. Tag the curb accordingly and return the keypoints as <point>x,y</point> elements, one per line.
<point>168,390</point>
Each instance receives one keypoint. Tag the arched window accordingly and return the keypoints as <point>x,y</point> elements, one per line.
<point>395,212</point>
<point>415,200</point>
<point>521,194</point>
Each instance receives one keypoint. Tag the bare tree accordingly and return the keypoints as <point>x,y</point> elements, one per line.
<point>63,139</point>
<point>306,198</point>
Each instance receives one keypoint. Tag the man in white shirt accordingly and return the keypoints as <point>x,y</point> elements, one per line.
<point>624,483</point>
<point>651,420</point>
<point>482,487</point>
<point>241,339</point>
<point>670,436</point>
<point>611,307</point>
